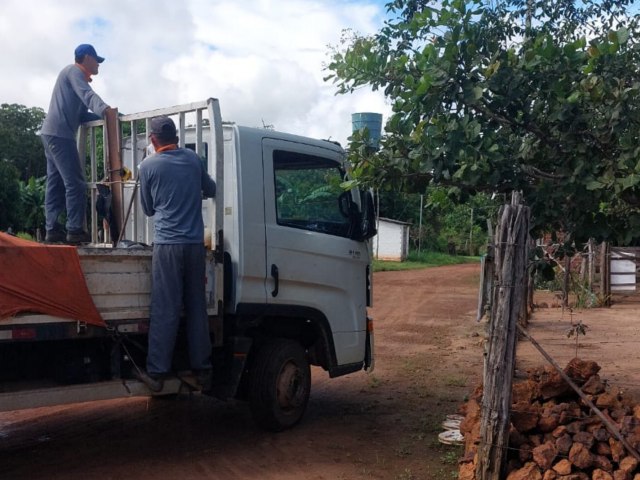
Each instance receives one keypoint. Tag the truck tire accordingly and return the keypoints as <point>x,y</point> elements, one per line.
<point>279,385</point>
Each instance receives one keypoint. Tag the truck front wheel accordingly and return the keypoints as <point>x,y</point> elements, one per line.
<point>280,382</point>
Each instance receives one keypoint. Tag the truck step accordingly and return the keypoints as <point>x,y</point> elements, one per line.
<point>87,392</point>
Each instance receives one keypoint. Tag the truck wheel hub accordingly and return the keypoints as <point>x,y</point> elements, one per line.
<point>289,391</point>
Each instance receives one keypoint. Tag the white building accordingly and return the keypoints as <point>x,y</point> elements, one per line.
<point>392,240</point>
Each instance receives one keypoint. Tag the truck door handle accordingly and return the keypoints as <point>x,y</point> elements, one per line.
<point>276,277</point>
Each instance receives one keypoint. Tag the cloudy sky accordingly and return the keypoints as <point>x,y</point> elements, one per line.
<point>262,58</point>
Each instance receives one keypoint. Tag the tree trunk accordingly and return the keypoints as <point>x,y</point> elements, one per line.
<point>605,284</point>
<point>567,278</point>
<point>592,267</point>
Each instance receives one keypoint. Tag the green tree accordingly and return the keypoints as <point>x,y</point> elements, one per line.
<point>10,206</point>
<point>20,144</point>
<point>32,205</point>
<point>447,223</point>
<point>455,225</point>
<point>530,95</point>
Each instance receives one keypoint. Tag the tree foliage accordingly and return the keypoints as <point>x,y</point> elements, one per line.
<point>10,206</point>
<point>528,95</point>
<point>22,168</point>
<point>447,225</point>
<point>32,205</point>
<point>20,144</point>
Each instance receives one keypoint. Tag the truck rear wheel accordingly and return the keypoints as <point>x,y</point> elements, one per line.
<point>280,382</point>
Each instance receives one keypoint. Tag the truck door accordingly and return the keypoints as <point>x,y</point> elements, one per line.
<point>311,261</point>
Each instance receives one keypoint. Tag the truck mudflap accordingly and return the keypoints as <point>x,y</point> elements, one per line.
<point>228,372</point>
<point>369,353</point>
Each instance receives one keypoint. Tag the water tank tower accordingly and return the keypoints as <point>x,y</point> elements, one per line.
<point>372,122</point>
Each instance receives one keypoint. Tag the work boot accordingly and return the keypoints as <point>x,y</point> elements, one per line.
<point>54,236</point>
<point>154,382</point>
<point>78,237</point>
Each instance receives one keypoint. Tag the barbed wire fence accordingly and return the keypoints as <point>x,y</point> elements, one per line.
<point>508,301</point>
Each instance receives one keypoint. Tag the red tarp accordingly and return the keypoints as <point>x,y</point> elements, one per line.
<point>45,279</point>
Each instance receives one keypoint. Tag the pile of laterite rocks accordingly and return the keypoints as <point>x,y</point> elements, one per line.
<point>554,435</point>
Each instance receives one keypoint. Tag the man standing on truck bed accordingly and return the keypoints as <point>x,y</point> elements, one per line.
<point>172,184</point>
<point>71,101</point>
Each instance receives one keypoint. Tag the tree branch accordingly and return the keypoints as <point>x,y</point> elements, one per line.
<point>544,138</point>
<point>537,173</point>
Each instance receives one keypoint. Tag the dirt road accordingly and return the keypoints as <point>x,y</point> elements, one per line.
<point>378,426</point>
<point>612,338</point>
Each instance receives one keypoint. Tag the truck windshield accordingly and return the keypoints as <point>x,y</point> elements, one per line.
<point>307,193</point>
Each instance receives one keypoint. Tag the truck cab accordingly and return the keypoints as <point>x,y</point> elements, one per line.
<point>290,237</point>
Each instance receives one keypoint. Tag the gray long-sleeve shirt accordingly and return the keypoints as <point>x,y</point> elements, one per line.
<point>71,100</point>
<point>172,184</point>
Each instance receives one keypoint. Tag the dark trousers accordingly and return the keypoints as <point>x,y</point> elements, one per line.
<point>66,184</point>
<point>178,280</point>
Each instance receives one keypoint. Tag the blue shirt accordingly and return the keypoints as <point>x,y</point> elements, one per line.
<point>172,184</point>
<point>71,100</point>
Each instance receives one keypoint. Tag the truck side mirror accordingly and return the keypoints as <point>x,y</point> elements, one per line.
<point>365,227</point>
<point>363,219</point>
<point>345,204</point>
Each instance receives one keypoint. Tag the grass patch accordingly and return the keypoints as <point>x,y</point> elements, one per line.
<point>406,475</point>
<point>455,381</point>
<point>404,450</point>
<point>374,382</point>
<point>451,457</point>
<point>423,260</point>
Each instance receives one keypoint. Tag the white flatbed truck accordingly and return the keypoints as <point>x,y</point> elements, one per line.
<point>288,277</point>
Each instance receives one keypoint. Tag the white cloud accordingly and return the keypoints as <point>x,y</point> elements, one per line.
<point>262,58</point>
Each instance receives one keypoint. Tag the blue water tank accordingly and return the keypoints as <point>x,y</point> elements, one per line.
<point>372,121</point>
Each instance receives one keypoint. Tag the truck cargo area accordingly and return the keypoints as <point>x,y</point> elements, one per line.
<point>288,274</point>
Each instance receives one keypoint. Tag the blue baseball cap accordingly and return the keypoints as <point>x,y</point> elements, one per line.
<point>86,49</point>
<point>163,127</point>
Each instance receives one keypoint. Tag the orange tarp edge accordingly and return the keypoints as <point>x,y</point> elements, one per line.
<point>47,279</point>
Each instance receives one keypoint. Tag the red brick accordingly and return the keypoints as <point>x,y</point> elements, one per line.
<point>580,456</point>
<point>529,472</point>
<point>544,455</point>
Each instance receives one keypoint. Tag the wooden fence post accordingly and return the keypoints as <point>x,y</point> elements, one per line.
<point>114,161</point>
<point>566,281</point>
<point>591,264</point>
<point>510,249</point>
<point>605,280</point>
<point>485,294</point>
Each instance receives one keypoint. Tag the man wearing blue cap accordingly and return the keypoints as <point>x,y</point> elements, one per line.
<point>71,103</point>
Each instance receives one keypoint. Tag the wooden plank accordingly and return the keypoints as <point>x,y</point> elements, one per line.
<point>114,315</point>
<point>134,301</point>
<point>110,284</point>
<point>123,262</point>
<point>109,252</point>
<point>115,268</point>
<point>114,161</point>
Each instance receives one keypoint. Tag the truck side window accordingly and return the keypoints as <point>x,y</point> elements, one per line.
<point>204,155</point>
<point>307,193</point>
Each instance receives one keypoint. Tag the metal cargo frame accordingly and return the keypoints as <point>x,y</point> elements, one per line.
<point>197,117</point>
